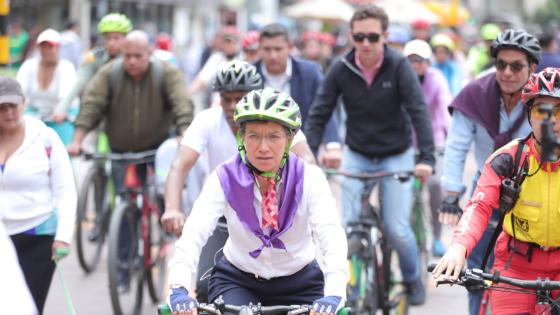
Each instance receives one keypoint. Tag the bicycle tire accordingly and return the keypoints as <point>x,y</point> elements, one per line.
<point>94,184</point>
<point>125,213</point>
<point>157,253</point>
<point>419,225</point>
<point>395,298</point>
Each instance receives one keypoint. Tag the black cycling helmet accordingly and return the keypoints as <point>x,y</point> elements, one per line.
<point>237,75</point>
<point>520,40</point>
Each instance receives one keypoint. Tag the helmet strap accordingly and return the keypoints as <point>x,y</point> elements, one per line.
<point>243,155</point>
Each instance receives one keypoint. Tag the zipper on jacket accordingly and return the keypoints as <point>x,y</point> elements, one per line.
<point>549,208</point>
<point>355,70</point>
<point>136,126</point>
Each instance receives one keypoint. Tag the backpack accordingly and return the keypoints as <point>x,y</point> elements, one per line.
<point>157,69</point>
<point>509,193</point>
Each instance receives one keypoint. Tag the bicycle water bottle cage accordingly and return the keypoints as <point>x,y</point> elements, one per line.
<point>509,192</point>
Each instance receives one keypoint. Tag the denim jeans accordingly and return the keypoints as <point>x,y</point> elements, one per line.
<point>396,200</point>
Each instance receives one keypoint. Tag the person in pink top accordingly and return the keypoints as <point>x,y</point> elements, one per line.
<point>438,97</point>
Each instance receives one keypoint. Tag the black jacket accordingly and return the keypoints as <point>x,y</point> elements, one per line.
<point>380,115</point>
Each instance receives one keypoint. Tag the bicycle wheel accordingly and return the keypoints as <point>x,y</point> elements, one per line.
<point>126,266</point>
<point>91,226</point>
<point>156,247</point>
<point>419,224</point>
<point>395,298</point>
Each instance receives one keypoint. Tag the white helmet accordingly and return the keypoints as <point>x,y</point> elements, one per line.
<point>418,47</point>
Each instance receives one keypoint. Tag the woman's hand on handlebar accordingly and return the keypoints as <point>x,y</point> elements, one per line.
<point>181,303</point>
<point>325,306</point>
<point>451,264</point>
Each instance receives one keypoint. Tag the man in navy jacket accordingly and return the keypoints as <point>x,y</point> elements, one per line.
<point>384,101</point>
<point>299,78</point>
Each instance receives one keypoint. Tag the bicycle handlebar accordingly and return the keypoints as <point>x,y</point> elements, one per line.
<point>470,276</point>
<point>136,157</point>
<point>164,309</point>
<point>402,176</point>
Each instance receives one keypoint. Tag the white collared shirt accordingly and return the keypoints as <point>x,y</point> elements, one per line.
<point>280,82</point>
<point>316,214</point>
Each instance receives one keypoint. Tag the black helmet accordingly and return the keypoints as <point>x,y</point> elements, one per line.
<point>237,75</point>
<point>520,40</point>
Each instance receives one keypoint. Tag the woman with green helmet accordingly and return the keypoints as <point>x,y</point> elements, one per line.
<point>444,52</point>
<point>113,27</point>
<point>273,202</point>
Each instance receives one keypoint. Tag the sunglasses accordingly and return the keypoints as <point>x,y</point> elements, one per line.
<point>515,67</point>
<point>371,37</point>
<point>416,59</point>
<point>539,114</point>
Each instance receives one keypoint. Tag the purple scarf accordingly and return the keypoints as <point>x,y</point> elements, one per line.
<point>237,182</point>
<point>480,101</point>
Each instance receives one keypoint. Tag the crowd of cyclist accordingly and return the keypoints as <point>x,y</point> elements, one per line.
<point>254,123</point>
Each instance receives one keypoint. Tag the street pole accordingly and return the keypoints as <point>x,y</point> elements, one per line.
<point>4,44</point>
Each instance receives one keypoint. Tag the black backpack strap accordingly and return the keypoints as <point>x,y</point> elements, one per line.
<point>513,183</point>
<point>116,69</point>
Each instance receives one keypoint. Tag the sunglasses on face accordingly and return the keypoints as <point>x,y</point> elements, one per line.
<point>371,37</point>
<point>515,67</point>
<point>416,59</point>
<point>539,114</point>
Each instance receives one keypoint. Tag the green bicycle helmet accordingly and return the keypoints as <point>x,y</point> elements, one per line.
<point>114,23</point>
<point>269,105</point>
<point>237,75</point>
<point>490,31</point>
<point>443,40</point>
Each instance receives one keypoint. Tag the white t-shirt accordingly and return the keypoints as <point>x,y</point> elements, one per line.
<point>43,103</point>
<point>210,133</point>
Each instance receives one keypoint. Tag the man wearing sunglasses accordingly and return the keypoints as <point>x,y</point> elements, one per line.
<point>383,100</point>
<point>489,113</point>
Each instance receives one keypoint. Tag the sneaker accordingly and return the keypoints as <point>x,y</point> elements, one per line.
<point>438,249</point>
<point>416,292</point>
<point>123,282</point>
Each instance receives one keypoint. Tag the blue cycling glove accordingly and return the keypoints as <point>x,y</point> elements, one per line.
<point>327,304</point>
<point>180,300</point>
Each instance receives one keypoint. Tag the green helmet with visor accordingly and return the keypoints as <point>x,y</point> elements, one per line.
<point>267,105</point>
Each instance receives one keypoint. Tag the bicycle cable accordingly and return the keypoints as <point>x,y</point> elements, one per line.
<point>553,303</point>
<point>65,289</point>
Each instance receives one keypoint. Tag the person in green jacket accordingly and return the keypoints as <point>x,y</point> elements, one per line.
<point>478,57</point>
<point>113,27</point>
<point>138,111</point>
<point>141,99</point>
<point>17,40</point>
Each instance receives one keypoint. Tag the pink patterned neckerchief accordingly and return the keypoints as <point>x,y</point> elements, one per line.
<point>269,205</point>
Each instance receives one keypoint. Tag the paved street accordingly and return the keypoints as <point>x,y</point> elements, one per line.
<point>90,294</point>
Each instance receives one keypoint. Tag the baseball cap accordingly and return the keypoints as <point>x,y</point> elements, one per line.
<point>420,24</point>
<point>49,36</point>
<point>10,91</point>
<point>418,47</point>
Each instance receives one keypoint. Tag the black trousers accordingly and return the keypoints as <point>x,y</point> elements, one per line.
<point>240,288</point>
<point>34,255</point>
<point>210,255</point>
